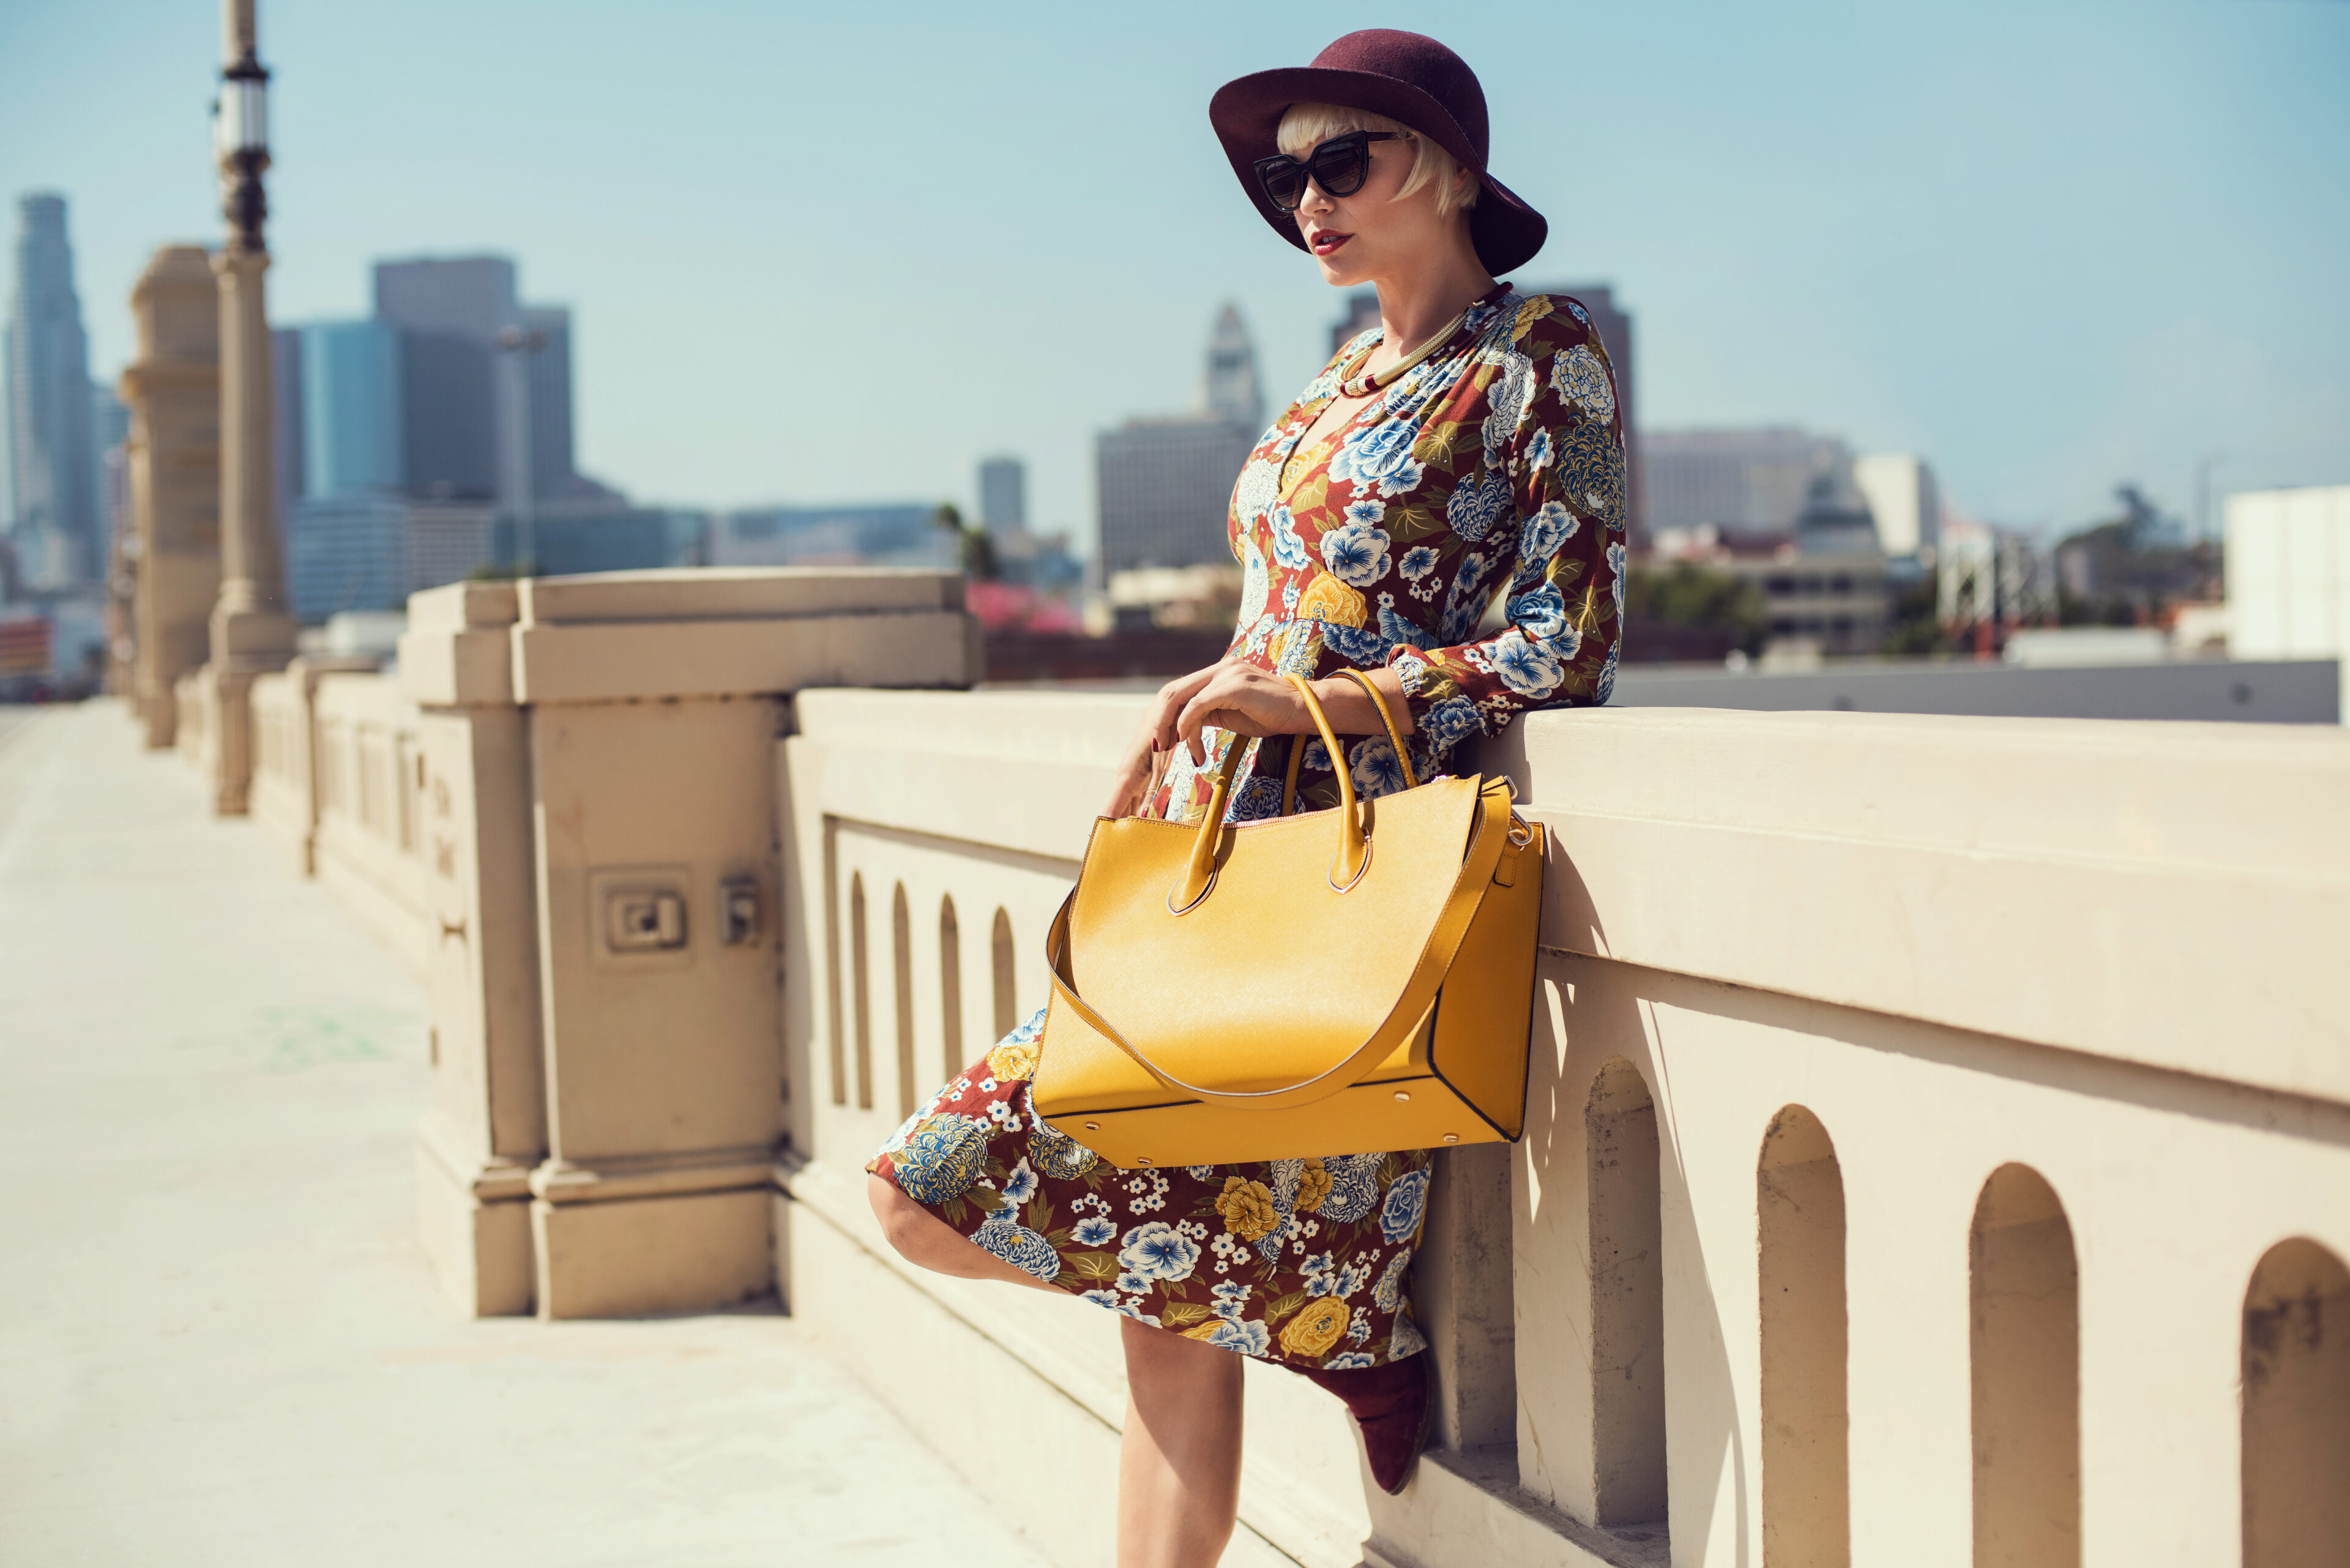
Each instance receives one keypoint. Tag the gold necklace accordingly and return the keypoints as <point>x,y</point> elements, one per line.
<point>1364,386</point>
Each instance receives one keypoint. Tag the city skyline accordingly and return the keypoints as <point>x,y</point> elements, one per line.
<point>2125,213</point>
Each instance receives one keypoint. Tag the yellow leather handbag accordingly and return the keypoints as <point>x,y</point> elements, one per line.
<point>1339,982</point>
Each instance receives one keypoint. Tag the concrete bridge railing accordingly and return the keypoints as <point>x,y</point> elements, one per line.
<point>1941,1134</point>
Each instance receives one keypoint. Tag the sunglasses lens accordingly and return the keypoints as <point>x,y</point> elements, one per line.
<point>1283,181</point>
<point>1339,167</point>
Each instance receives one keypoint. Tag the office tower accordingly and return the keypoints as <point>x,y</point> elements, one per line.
<point>1230,392</point>
<point>352,401</point>
<point>289,448</point>
<point>52,466</point>
<point>1903,498</point>
<point>110,427</point>
<point>548,403</point>
<point>1756,481</point>
<point>1166,484</point>
<point>894,534</point>
<point>1002,495</point>
<point>456,425</point>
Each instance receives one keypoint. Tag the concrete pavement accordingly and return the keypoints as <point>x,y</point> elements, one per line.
<point>219,1344</point>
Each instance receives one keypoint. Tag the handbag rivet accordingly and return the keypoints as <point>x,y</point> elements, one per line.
<point>1093,1126</point>
<point>1452,1138</point>
<point>1403,1093</point>
<point>1142,1159</point>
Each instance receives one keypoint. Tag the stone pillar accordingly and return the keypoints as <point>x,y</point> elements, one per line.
<point>599,756</point>
<point>172,390</point>
<point>252,634</point>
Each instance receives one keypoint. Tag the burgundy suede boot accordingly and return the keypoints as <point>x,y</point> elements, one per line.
<point>1391,1403</point>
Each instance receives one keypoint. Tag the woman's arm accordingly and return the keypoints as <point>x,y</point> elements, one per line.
<point>1243,700</point>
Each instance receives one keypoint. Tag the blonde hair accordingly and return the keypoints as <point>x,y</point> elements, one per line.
<point>1303,125</point>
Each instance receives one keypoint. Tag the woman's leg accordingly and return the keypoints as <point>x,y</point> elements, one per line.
<point>921,1238</point>
<point>1179,1466</point>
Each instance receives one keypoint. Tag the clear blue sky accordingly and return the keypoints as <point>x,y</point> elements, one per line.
<point>840,252</point>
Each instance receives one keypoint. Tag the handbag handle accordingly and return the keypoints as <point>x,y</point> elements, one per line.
<point>1354,856</point>
<point>1395,737</point>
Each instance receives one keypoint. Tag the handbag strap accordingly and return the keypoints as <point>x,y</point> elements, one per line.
<point>1395,736</point>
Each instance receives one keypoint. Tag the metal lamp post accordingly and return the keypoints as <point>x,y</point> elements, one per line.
<point>252,633</point>
<point>519,344</point>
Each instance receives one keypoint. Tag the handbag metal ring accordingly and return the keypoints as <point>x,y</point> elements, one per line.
<point>1203,893</point>
<point>1330,875</point>
<point>1521,832</point>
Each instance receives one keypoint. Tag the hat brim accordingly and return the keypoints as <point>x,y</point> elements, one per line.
<point>1246,113</point>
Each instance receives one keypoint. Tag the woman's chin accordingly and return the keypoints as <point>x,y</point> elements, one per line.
<point>1339,270</point>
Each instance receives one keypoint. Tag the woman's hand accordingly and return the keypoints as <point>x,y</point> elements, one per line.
<point>1240,699</point>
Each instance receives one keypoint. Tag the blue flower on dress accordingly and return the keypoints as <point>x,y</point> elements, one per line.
<point>1377,459</point>
<point>1255,800</point>
<point>1103,1299</point>
<point>1316,758</point>
<point>1547,530</point>
<point>1352,1278</point>
<point>1017,1245</point>
<point>1524,668</point>
<point>1359,1331</point>
<point>942,1158</point>
<point>1097,1231</point>
<point>1321,1274</point>
<point>1368,510</point>
<point>1417,563</point>
<point>1399,1216</point>
<point>1159,1251</point>
<point>1346,1359</point>
<point>1357,553</point>
<point>1607,687</point>
<point>1389,1289</point>
<point>1232,1299</point>
<point>1581,380</point>
<point>1473,509</point>
<point>1355,644</point>
<point>1288,550</point>
<point>1538,451</point>
<point>1247,1338</point>
<point>1376,770</point>
<point>1450,721</point>
<point>1616,565</point>
<point>1134,1285</point>
<point>1395,629</point>
<point>1578,313</point>
<point>1404,1338</point>
<point>1020,1185</point>
<point>1354,1187</point>
<point>1058,1155</point>
<point>1541,615</point>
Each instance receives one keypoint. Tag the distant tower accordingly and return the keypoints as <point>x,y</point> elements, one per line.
<point>1002,495</point>
<point>1232,389</point>
<point>53,494</point>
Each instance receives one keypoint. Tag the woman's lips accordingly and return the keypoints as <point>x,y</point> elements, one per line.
<point>1324,240</point>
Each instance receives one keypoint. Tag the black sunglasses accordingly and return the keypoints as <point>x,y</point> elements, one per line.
<point>1339,166</point>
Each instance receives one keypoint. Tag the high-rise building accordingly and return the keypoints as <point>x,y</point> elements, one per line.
<point>52,463</point>
<point>1230,392</point>
<point>352,408</point>
<point>1166,484</point>
<point>894,534</point>
<point>1002,495</point>
<point>1904,500</point>
<point>459,435</point>
<point>288,448</point>
<point>1756,481</point>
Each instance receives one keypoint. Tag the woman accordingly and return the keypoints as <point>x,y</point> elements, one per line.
<point>1463,460</point>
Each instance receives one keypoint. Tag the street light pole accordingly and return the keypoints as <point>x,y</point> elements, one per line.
<point>252,633</point>
<point>520,345</point>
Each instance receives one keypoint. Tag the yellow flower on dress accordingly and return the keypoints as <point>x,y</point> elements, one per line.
<point>1329,600</point>
<point>1313,1187</point>
<point>1529,312</point>
<point>1013,1061</point>
<point>1315,1329</point>
<point>1247,1207</point>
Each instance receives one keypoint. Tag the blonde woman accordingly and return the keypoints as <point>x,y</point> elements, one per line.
<point>1441,508</point>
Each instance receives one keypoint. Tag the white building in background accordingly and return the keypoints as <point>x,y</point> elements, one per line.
<point>1166,484</point>
<point>1756,481</point>
<point>2288,573</point>
<point>1901,495</point>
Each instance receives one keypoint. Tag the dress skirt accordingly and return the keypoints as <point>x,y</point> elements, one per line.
<point>1304,1262</point>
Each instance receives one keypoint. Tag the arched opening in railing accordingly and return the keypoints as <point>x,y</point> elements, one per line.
<point>950,990</point>
<point>837,1048</point>
<point>860,994</point>
<point>1007,1003</point>
<point>1799,1232</point>
<point>901,980</point>
<point>2026,1362</point>
<point>2297,1392</point>
<point>1627,1298</point>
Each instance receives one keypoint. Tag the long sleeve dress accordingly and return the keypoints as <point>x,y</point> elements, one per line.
<point>1487,481</point>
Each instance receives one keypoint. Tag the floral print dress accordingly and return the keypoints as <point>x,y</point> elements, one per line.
<point>1466,530</point>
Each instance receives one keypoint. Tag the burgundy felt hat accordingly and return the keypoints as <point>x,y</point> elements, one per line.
<point>1411,79</point>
